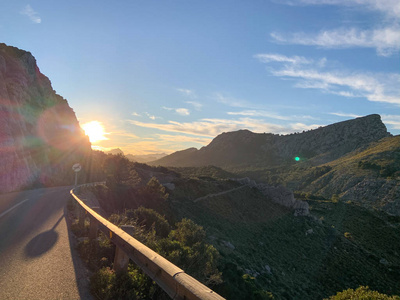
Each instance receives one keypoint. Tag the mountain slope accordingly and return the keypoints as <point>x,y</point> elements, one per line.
<point>243,148</point>
<point>40,137</point>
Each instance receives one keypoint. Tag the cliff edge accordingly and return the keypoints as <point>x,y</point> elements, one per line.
<point>40,137</point>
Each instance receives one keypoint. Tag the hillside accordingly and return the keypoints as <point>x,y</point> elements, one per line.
<point>368,176</point>
<point>264,247</point>
<point>355,160</point>
<point>40,138</point>
<point>241,149</point>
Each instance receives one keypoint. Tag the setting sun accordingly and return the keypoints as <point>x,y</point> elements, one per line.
<point>95,131</point>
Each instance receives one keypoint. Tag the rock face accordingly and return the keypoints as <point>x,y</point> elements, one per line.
<point>244,148</point>
<point>279,195</point>
<point>40,137</point>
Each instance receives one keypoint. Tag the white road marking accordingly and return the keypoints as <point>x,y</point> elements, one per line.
<point>10,209</point>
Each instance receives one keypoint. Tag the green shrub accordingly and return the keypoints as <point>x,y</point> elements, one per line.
<point>362,293</point>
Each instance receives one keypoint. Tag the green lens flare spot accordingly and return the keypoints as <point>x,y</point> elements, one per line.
<point>297,158</point>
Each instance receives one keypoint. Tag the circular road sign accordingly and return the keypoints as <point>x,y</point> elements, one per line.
<point>77,167</point>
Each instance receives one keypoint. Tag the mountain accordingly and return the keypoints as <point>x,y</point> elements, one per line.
<point>137,158</point>
<point>145,158</point>
<point>355,160</point>
<point>40,137</point>
<point>243,148</point>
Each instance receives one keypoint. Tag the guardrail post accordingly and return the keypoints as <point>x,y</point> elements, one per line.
<point>93,225</point>
<point>121,260</point>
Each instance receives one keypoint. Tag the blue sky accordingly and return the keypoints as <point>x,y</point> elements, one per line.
<point>162,76</point>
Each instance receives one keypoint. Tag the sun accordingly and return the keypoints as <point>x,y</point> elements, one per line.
<point>95,131</point>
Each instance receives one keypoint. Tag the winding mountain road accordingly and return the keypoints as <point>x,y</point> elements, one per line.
<point>37,255</point>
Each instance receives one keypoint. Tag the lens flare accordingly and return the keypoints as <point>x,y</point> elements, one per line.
<point>297,158</point>
<point>95,131</point>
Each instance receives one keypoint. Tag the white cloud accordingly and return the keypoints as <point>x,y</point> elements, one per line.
<point>179,111</point>
<point>182,111</point>
<point>266,58</point>
<point>384,35</point>
<point>33,15</point>
<point>390,8</point>
<point>392,120</point>
<point>150,116</point>
<point>213,127</point>
<point>124,134</point>
<point>386,41</point>
<point>376,87</point>
<point>136,114</point>
<point>187,93</point>
<point>196,105</point>
<point>267,114</point>
<point>233,102</point>
<point>184,139</point>
<point>258,113</point>
<point>340,114</point>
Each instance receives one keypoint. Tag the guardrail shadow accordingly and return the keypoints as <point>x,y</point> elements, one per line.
<point>43,242</point>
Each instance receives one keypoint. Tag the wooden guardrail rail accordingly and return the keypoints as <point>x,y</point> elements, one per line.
<point>173,280</point>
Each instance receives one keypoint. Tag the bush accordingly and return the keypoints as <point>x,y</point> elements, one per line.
<point>107,284</point>
<point>362,293</point>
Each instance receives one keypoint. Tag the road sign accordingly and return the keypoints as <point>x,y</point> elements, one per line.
<point>77,167</point>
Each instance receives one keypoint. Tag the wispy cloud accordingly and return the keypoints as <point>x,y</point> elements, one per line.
<point>390,8</point>
<point>386,41</point>
<point>152,117</point>
<point>267,57</point>
<point>384,37</point>
<point>268,114</point>
<point>230,101</point>
<point>125,134</point>
<point>33,15</point>
<point>182,111</point>
<point>135,114</point>
<point>258,113</point>
<point>340,114</point>
<point>196,105</point>
<point>179,111</point>
<point>376,87</point>
<point>184,139</point>
<point>392,120</point>
<point>187,93</point>
<point>213,127</point>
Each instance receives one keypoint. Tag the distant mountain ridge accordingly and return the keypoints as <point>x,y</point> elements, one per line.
<point>137,158</point>
<point>244,148</point>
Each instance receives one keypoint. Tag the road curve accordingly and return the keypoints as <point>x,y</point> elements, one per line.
<point>37,255</point>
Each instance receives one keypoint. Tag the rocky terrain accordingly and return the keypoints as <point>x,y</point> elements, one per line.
<point>355,160</point>
<point>40,137</point>
<point>244,148</point>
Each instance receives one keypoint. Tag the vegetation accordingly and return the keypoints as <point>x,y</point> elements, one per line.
<point>248,247</point>
<point>362,293</point>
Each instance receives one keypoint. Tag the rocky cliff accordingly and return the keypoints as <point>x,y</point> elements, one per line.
<point>40,137</point>
<point>244,148</point>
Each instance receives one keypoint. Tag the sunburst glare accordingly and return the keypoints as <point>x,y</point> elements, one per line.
<point>95,131</point>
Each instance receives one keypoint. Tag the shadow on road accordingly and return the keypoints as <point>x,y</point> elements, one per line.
<point>43,242</point>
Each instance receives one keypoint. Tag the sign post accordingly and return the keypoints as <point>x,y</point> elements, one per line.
<point>76,167</point>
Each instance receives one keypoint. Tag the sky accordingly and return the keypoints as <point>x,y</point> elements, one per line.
<point>162,76</point>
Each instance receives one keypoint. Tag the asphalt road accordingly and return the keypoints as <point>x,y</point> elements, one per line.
<point>38,259</point>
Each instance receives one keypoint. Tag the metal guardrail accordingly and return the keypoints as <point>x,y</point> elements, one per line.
<point>173,280</point>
